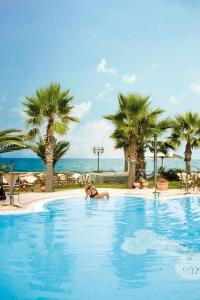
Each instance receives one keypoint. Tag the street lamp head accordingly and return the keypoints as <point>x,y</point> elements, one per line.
<point>101,150</point>
<point>94,150</point>
<point>98,151</point>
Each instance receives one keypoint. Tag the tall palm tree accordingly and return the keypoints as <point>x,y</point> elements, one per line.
<point>59,149</point>
<point>186,128</point>
<point>10,140</point>
<point>50,106</point>
<point>149,126</point>
<point>138,123</point>
<point>131,109</point>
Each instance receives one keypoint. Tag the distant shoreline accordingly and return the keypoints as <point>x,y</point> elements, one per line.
<point>87,165</point>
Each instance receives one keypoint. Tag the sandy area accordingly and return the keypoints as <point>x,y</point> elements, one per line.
<point>29,202</point>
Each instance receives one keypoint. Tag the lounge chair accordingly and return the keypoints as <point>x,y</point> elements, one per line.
<point>7,184</point>
<point>185,181</point>
<point>28,182</point>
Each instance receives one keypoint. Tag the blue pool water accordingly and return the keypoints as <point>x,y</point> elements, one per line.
<point>121,248</point>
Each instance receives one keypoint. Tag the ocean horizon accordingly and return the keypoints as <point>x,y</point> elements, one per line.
<point>85,165</point>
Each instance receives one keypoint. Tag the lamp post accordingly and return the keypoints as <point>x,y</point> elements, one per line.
<point>11,183</point>
<point>187,186</point>
<point>98,151</point>
<point>156,194</point>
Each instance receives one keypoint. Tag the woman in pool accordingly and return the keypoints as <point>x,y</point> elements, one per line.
<point>92,192</point>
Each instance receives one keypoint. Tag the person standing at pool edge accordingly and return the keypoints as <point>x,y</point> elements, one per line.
<point>2,192</point>
<point>92,192</point>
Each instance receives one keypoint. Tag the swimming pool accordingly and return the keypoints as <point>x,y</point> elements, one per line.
<point>121,248</point>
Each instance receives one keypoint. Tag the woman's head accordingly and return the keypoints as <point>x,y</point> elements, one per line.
<point>87,186</point>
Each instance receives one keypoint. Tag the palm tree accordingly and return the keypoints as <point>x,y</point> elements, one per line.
<point>131,109</point>
<point>11,140</point>
<point>149,126</point>
<point>50,107</point>
<point>60,148</point>
<point>137,123</point>
<point>186,128</point>
<point>119,135</point>
<point>162,146</point>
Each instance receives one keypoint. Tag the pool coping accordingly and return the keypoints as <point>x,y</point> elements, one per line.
<point>27,205</point>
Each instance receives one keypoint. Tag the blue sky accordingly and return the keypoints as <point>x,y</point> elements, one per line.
<point>96,49</point>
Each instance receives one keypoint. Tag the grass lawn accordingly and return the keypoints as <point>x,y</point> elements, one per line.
<point>172,185</point>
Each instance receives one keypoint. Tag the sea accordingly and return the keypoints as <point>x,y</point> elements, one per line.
<point>83,165</point>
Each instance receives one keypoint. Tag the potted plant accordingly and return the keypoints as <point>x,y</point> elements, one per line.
<point>162,184</point>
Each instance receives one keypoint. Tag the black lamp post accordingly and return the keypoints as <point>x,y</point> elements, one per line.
<point>11,183</point>
<point>156,194</point>
<point>98,151</point>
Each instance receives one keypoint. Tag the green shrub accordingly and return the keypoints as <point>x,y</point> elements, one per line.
<point>170,174</point>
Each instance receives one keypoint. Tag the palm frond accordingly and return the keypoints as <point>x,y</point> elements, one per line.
<point>60,148</point>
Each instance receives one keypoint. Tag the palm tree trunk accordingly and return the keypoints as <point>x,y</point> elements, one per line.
<point>140,165</point>
<point>125,165</point>
<point>126,156</point>
<point>131,174</point>
<point>49,176</point>
<point>49,144</point>
<point>188,157</point>
<point>188,169</point>
<point>132,161</point>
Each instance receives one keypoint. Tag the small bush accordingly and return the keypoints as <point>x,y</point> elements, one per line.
<point>170,174</point>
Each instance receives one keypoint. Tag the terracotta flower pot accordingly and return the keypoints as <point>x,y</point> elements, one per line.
<point>162,186</point>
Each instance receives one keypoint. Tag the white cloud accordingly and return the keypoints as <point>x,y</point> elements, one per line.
<point>79,111</point>
<point>17,111</point>
<point>129,78</point>
<point>173,100</point>
<point>102,67</point>
<point>82,109</point>
<point>108,88</point>
<point>195,87</point>
<point>94,133</point>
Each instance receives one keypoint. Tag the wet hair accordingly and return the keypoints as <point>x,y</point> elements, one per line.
<point>87,186</point>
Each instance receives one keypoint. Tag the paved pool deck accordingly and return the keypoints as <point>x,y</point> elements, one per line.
<point>29,202</point>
